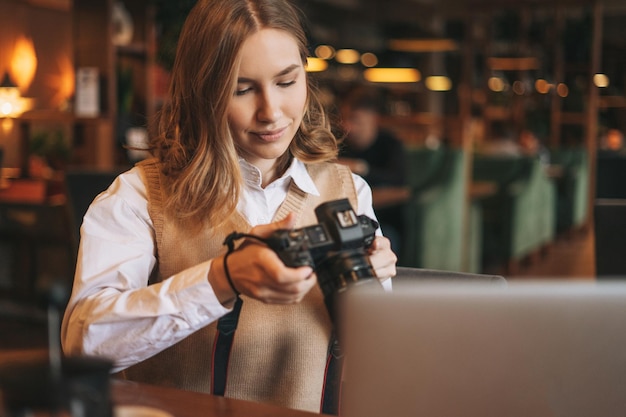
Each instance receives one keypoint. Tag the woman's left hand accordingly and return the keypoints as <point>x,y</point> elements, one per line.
<point>382,258</point>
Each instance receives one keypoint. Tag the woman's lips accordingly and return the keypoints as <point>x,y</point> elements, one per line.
<point>272,135</point>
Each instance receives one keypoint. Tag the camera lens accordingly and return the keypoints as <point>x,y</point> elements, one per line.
<point>341,269</point>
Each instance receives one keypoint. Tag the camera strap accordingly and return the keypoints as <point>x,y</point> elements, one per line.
<point>226,326</point>
<point>331,393</point>
<point>220,356</point>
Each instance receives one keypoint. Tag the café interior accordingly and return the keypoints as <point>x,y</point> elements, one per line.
<point>460,82</point>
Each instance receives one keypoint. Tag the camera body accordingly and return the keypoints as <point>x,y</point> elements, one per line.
<point>335,247</point>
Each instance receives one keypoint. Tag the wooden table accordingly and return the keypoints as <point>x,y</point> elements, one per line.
<point>175,402</point>
<point>23,191</point>
<point>192,404</point>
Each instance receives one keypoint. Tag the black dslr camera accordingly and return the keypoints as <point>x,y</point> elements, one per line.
<point>335,248</point>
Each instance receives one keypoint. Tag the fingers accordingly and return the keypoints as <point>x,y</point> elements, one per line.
<point>382,258</point>
<point>259,273</point>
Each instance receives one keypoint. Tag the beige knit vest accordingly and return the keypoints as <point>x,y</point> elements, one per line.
<point>279,352</point>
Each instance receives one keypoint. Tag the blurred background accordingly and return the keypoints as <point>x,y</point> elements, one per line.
<point>511,114</point>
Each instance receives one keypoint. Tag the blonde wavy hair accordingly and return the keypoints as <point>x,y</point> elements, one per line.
<point>193,142</point>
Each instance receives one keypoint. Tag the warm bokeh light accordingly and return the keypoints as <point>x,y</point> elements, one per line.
<point>542,86</point>
<point>23,63</point>
<point>438,83</point>
<point>6,125</point>
<point>316,64</point>
<point>347,56</point>
<point>63,82</point>
<point>325,52</point>
<point>392,75</point>
<point>519,88</point>
<point>369,59</point>
<point>496,84</point>
<point>12,104</point>
<point>562,90</point>
<point>601,80</point>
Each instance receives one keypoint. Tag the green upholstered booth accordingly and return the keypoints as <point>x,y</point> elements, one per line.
<point>572,203</point>
<point>435,236</point>
<point>520,217</point>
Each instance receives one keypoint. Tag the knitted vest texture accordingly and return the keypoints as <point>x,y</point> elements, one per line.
<point>279,352</point>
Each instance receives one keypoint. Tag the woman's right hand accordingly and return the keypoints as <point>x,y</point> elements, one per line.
<point>258,272</point>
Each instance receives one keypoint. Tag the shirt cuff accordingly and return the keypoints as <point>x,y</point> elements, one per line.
<point>195,295</point>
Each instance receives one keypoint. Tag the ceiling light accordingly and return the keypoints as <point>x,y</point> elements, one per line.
<point>325,52</point>
<point>369,60</point>
<point>542,86</point>
<point>519,88</point>
<point>316,64</point>
<point>601,80</point>
<point>392,75</point>
<point>438,83</point>
<point>347,56</point>
<point>496,84</point>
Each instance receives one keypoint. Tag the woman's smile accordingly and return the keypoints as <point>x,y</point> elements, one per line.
<point>270,135</point>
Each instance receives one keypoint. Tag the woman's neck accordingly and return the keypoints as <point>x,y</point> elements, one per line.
<point>272,171</point>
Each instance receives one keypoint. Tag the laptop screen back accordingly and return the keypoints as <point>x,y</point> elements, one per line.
<point>550,349</point>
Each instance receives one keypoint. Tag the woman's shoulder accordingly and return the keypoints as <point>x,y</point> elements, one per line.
<point>149,167</point>
<point>129,186</point>
<point>333,170</point>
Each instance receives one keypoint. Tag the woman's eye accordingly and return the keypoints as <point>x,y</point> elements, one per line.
<point>242,91</point>
<point>287,84</point>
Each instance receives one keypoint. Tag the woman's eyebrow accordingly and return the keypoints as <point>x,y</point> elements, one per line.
<point>287,70</point>
<point>283,72</point>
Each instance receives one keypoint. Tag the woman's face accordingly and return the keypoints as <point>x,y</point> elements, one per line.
<point>268,104</point>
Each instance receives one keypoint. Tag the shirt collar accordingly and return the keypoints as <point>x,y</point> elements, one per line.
<point>297,172</point>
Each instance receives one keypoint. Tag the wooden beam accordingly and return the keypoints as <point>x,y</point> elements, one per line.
<point>62,5</point>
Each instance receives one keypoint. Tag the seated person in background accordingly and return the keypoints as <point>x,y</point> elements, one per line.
<point>530,145</point>
<point>506,141</point>
<point>371,152</point>
<point>243,145</point>
<point>502,141</point>
<point>375,154</point>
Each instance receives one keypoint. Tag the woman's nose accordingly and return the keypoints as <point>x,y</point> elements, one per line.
<point>269,109</point>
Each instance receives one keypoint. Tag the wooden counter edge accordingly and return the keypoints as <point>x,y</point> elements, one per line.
<point>182,403</point>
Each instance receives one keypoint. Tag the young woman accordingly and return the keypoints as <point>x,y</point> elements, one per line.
<point>243,145</point>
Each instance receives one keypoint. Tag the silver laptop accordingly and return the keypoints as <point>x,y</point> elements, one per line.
<point>529,349</point>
